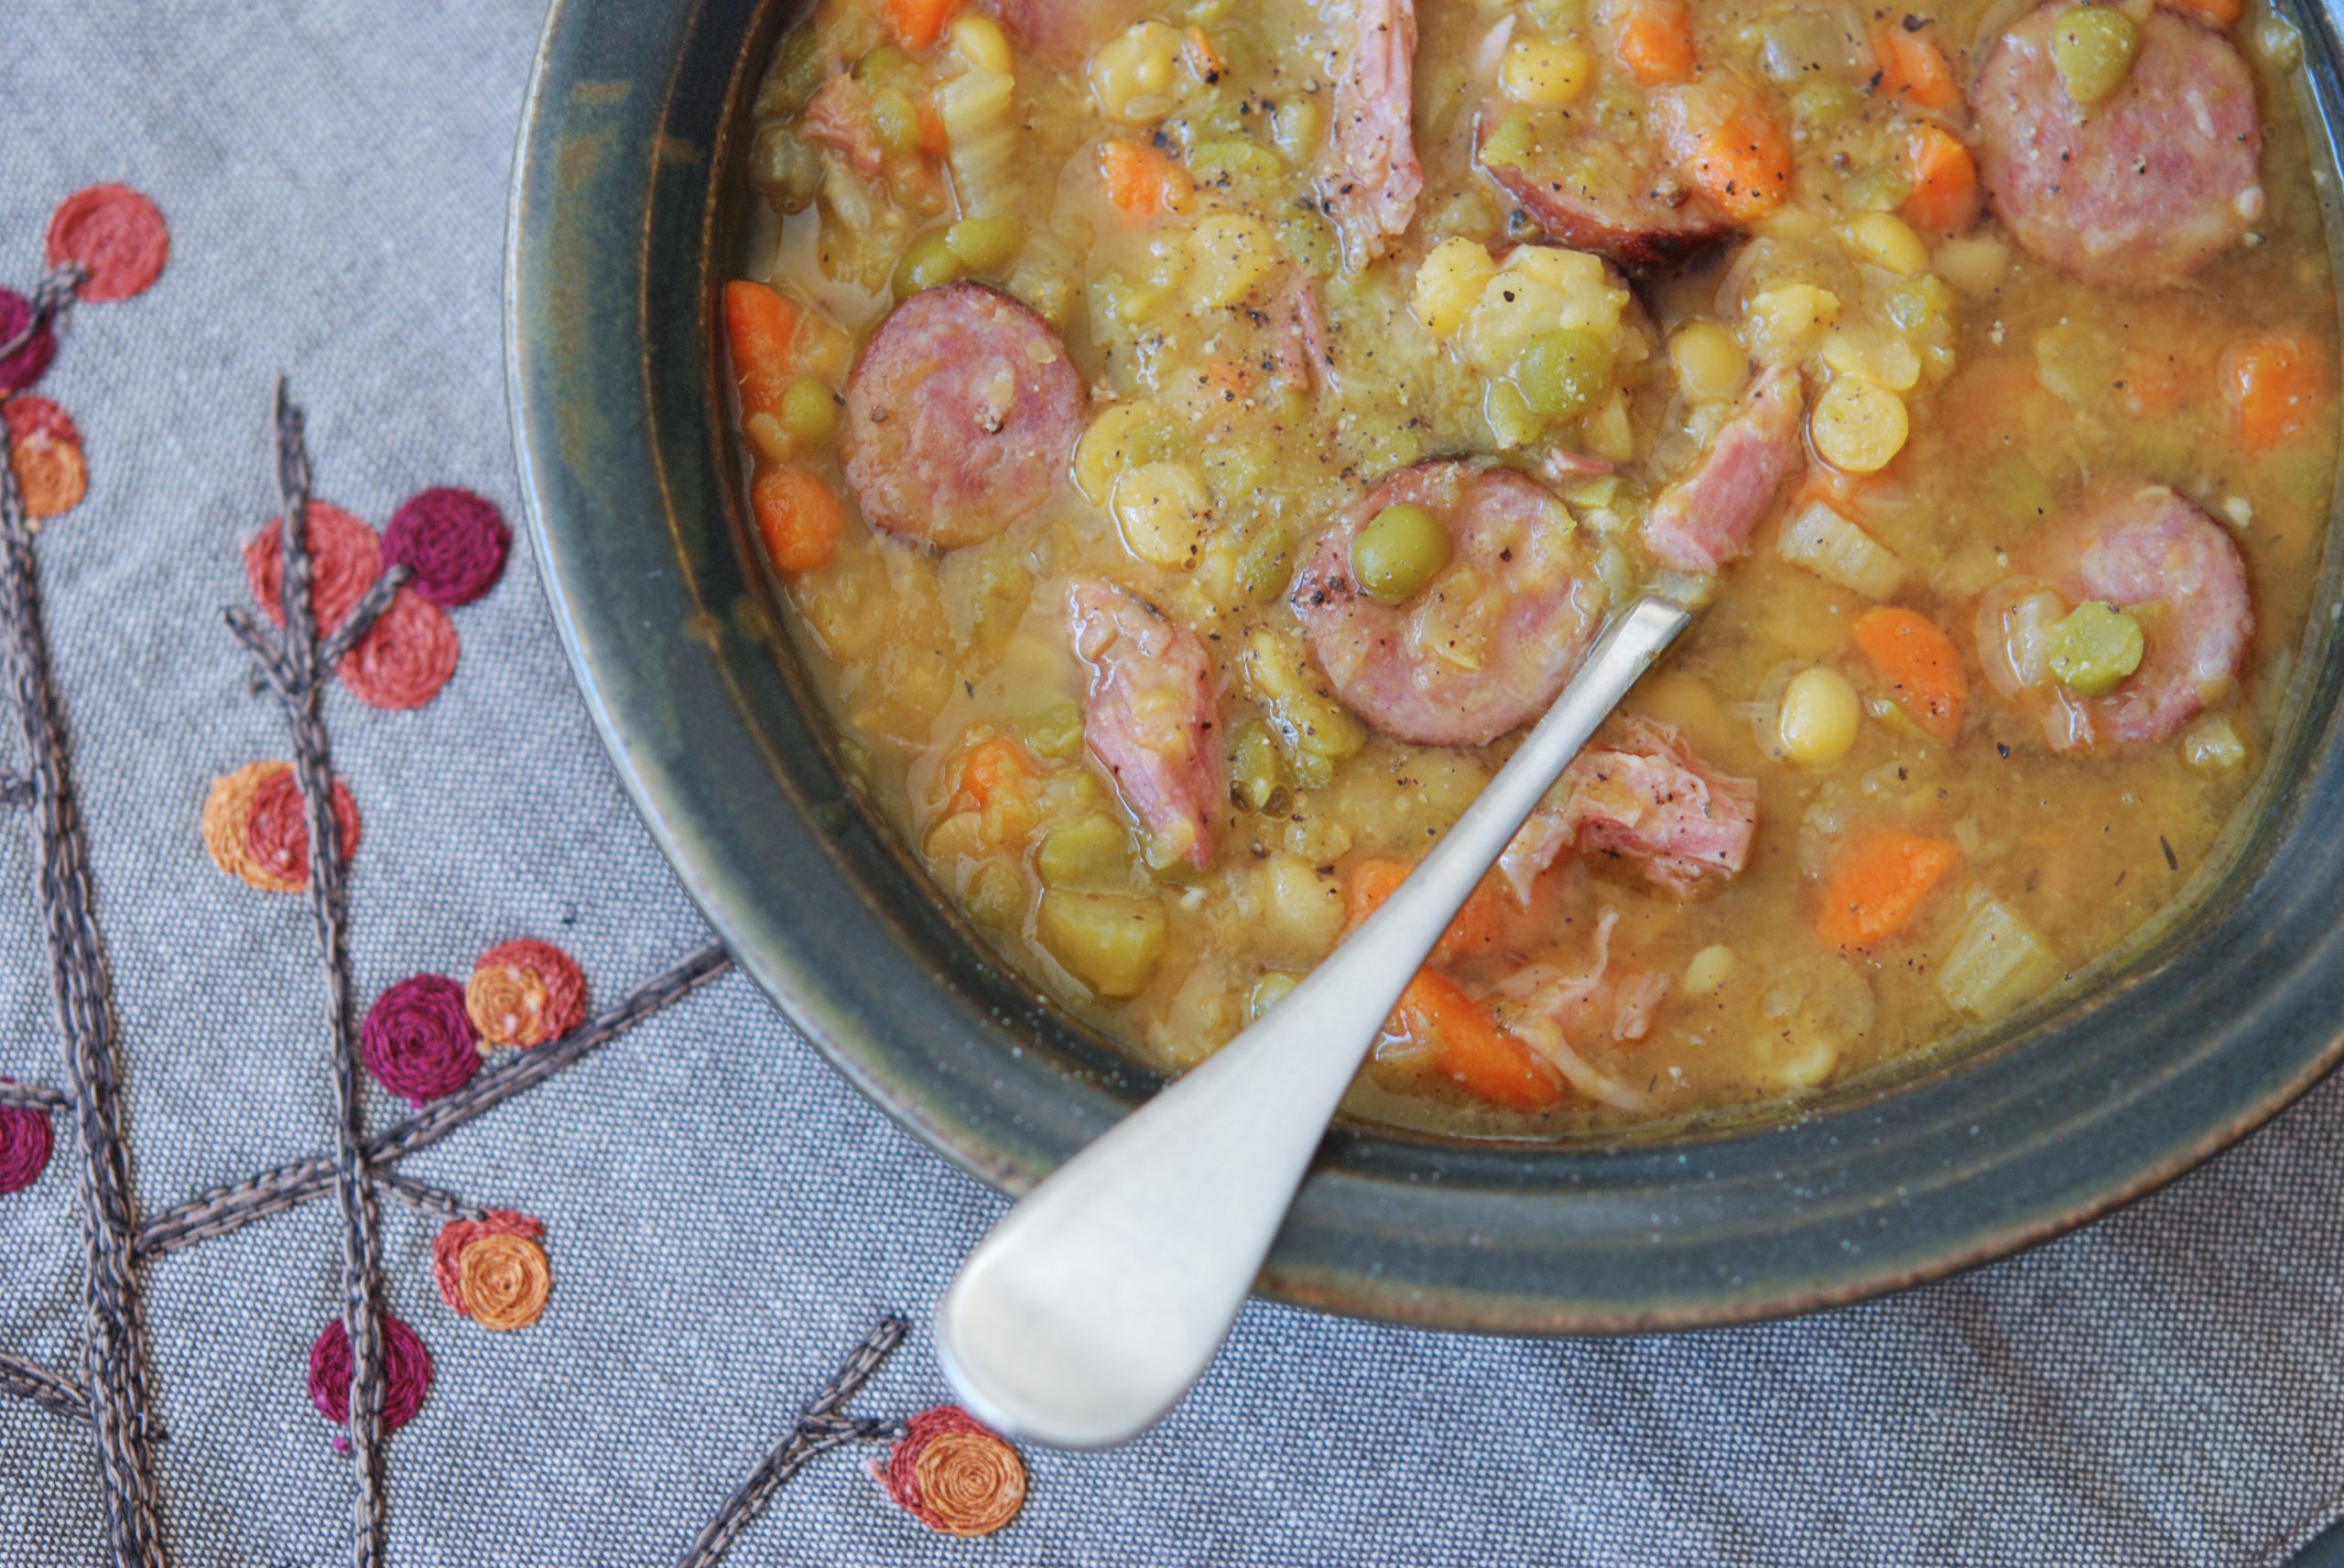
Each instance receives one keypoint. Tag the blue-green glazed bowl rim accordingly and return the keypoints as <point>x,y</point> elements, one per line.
<point>628,201</point>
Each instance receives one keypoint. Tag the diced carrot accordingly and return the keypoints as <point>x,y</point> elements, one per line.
<point>2215,13</point>
<point>1476,928</point>
<point>1202,58</point>
<point>917,23</point>
<point>799,517</point>
<point>1878,883</point>
<point>935,141</point>
<point>1912,64</point>
<point>760,325</point>
<point>1945,180</point>
<point>1655,43</point>
<point>1471,1048</point>
<point>1920,664</point>
<point>1228,379</point>
<point>2272,383</point>
<point>1743,163</point>
<point>1142,181</point>
<point>990,769</point>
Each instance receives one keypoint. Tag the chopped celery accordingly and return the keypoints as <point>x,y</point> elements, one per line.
<point>1093,848</point>
<point>1997,962</point>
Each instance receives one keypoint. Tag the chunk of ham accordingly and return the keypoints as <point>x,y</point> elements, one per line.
<point>1371,184</point>
<point>1705,519</point>
<point>1643,803</point>
<point>1150,716</point>
<point>1546,1006</point>
<point>838,117</point>
<point>1302,357</point>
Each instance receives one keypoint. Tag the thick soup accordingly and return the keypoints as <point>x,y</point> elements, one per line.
<point>1194,437</point>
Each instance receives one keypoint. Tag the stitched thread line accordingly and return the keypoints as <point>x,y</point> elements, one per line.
<point>822,1425</point>
<point>299,689</point>
<point>222,1209</point>
<point>31,1097</point>
<point>53,1391</point>
<point>114,1352</point>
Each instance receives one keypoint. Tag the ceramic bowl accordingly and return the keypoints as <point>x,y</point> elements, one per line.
<point>628,205</point>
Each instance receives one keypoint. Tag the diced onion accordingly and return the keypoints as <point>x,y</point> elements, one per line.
<point>1836,550</point>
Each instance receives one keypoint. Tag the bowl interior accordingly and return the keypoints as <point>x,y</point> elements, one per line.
<point>628,206</point>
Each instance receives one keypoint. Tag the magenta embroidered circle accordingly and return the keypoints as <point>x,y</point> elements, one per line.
<point>453,541</point>
<point>29,363</point>
<point>25,1146</point>
<point>116,234</point>
<point>418,1039</point>
<point>406,1373</point>
<point>31,417</point>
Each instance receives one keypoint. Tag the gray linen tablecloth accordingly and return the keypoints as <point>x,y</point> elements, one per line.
<point>726,1217</point>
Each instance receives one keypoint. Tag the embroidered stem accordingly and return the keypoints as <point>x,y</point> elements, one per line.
<point>52,1391</point>
<point>30,1097</point>
<point>52,296</point>
<point>113,1354</point>
<point>820,1426</point>
<point>221,1209</point>
<point>362,1241</point>
<point>363,614</point>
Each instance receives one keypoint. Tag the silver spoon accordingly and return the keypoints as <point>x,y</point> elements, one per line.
<point>1105,1292</point>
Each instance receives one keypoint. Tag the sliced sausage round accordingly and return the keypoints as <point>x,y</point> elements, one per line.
<point>1488,644</point>
<point>2150,552</point>
<point>2141,190</point>
<point>1618,197</point>
<point>960,414</point>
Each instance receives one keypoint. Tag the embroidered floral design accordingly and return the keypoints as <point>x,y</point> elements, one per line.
<point>448,1250</point>
<point>406,656</point>
<point>504,1281</point>
<point>115,235</point>
<point>254,827</point>
<point>345,557</point>
<point>406,1373</point>
<point>525,992</point>
<point>46,455</point>
<point>417,1040</point>
<point>25,1146</point>
<point>29,362</point>
<point>955,1474</point>
<point>453,541</point>
<point>30,416</point>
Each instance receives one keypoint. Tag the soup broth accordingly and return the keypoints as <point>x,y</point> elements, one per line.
<point>1193,439</point>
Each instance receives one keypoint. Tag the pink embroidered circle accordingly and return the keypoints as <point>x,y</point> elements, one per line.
<point>117,233</point>
<point>276,829</point>
<point>25,1146</point>
<point>29,363</point>
<point>406,656</point>
<point>525,992</point>
<point>418,1039</point>
<point>345,557</point>
<point>32,415</point>
<point>453,541</point>
<point>406,1373</point>
<point>955,1474</point>
<point>447,1248</point>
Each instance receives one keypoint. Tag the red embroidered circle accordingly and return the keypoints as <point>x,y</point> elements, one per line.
<point>25,1146</point>
<point>115,232</point>
<point>29,363</point>
<point>345,557</point>
<point>453,541</point>
<point>954,1474</point>
<point>418,1039</point>
<point>277,828</point>
<point>406,1373</point>
<point>32,415</point>
<point>406,656</point>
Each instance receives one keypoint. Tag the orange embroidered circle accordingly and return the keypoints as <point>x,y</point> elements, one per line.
<point>52,475</point>
<point>505,1280</point>
<point>971,1483</point>
<point>254,827</point>
<point>447,1248</point>
<point>406,656</point>
<point>508,1004</point>
<point>527,1016</point>
<point>345,557</point>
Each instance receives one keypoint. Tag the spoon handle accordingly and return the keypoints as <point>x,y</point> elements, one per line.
<point>1103,1294</point>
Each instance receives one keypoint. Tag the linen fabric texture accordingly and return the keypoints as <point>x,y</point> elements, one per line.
<point>724,1216</point>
